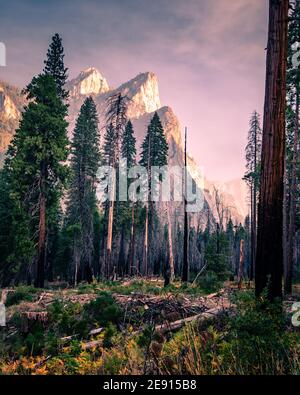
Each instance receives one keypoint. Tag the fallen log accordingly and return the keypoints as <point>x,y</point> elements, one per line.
<point>92,344</point>
<point>93,332</point>
<point>173,326</point>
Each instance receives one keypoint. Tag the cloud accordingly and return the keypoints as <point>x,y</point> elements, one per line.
<point>208,55</point>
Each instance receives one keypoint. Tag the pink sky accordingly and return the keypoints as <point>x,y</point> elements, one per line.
<point>209,57</point>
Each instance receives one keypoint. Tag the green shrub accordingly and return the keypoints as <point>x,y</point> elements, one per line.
<point>209,282</point>
<point>22,293</point>
<point>103,310</point>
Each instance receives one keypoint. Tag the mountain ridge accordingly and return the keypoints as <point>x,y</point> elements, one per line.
<point>143,92</point>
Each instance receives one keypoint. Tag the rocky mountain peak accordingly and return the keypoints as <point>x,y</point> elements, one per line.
<point>144,94</point>
<point>89,81</point>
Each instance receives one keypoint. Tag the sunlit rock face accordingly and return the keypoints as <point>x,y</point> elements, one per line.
<point>89,82</point>
<point>8,109</point>
<point>143,92</point>
<point>11,104</point>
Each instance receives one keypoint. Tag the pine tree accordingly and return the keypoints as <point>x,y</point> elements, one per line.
<point>34,163</point>
<point>253,157</point>
<point>154,153</point>
<point>82,195</point>
<point>128,150</point>
<point>54,65</point>
<point>109,146</point>
<point>155,146</point>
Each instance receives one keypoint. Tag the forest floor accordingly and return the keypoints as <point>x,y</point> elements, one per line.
<point>137,327</point>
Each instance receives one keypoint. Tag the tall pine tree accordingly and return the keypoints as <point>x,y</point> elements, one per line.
<point>82,206</point>
<point>253,158</point>
<point>35,162</point>
<point>128,150</point>
<point>154,153</point>
<point>54,65</point>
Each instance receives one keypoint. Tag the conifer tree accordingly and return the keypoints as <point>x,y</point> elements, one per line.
<point>54,65</point>
<point>82,195</point>
<point>35,160</point>
<point>154,153</point>
<point>128,150</point>
<point>253,157</point>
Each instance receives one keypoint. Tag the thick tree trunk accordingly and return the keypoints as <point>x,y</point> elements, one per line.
<point>288,280</point>
<point>269,261</point>
<point>40,272</point>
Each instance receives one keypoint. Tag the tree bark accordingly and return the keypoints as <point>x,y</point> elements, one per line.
<point>132,243</point>
<point>40,273</point>
<point>171,255</point>
<point>241,264</point>
<point>185,266</point>
<point>269,260</point>
<point>146,241</point>
<point>108,260</point>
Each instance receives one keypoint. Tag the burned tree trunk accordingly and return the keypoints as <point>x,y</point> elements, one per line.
<point>185,266</point>
<point>269,259</point>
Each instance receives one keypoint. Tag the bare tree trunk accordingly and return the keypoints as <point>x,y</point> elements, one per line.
<point>252,264</point>
<point>288,281</point>
<point>39,283</point>
<point>108,260</point>
<point>122,259</point>
<point>146,241</point>
<point>76,257</point>
<point>241,265</point>
<point>185,266</point>
<point>171,256</point>
<point>254,212</point>
<point>269,261</point>
<point>285,221</point>
<point>132,243</point>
